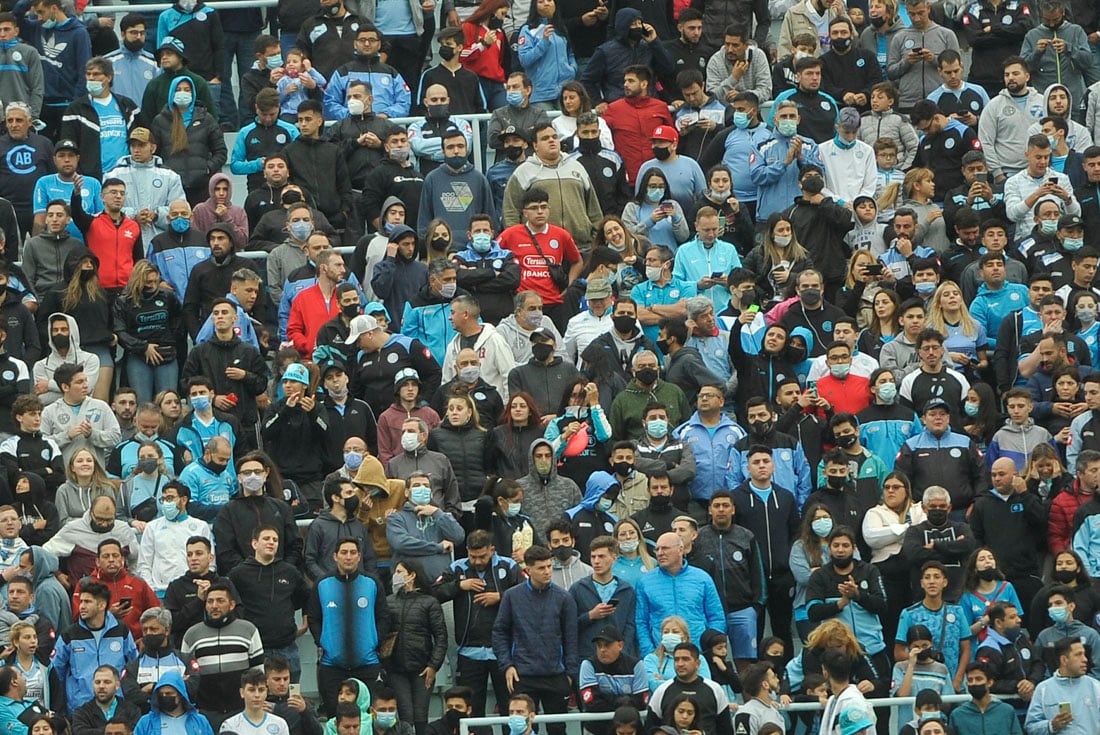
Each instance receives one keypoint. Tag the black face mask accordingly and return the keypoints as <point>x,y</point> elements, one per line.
<point>452,716</point>
<point>623,324</point>
<point>589,146</point>
<point>925,656</point>
<point>167,702</point>
<point>60,341</point>
<point>86,275</point>
<point>760,428</point>
<point>216,467</point>
<point>622,469</point>
<point>542,352</point>
<point>841,562</point>
<point>439,112</point>
<point>101,527</point>
<point>989,575</point>
<point>447,52</point>
<point>440,243</point>
<point>878,22</point>
<point>813,184</point>
<point>563,553</point>
<point>635,34</point>
<point>662,154</point>
<point>977,691</point>
<point>153,641</point>
<point>1063,576</point>
<point>513,152</point>
<point>291,197</point>
<point>662,345</point>
<point>646,376</point>
<point>836,482</point>
<point>660,502</point>
<point>840,45</point>
<point>351,504</point>
<point>937,517</point>
<point>495,23</point>
<point>350,310</point>
<point>846,442</point>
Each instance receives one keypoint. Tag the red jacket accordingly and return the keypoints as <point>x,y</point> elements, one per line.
<point>123,586</point>
<point>485,62</point>
<point>118,247</point>
<point>1060,520</point>
<point>307,313</point>
<point>632,120</point>
<point>851,395</point>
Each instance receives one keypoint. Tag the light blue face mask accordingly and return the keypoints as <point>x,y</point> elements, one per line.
<point>740,120</point>
<point>515,99</point>
<point>182,99</point>
<point>169,510</point>
<point>1048,226</point>
<point>604,504</point>
<point>49,25</point>
<point>657,428</point>
<point>513,509</point>
<point>822,527</point>
<point>671,640</point>
<point>385,720</point>
<point>352,460</point>
<point>482,242</point>
<point>971,409</point>
<point>787,128</point>
<point>301,229</point>
<point>925,288</point>
<point>1058,614</point>
<point>845,145</point>
<point>274,62</point>
<point>95,87</point>
<point>421,495</point>
<point>887,392</point>
<point>1073,243</point>
<point>1053,142</point>
<point>517,724</point>
<point>200,403</point>
<point>654,195</point>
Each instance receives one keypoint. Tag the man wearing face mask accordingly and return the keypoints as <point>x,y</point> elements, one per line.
<point>387,93</point>
<point>487,271</point>
<point>360,131</point>
<point>1014,664</point>
<point>517,113</point>
<point>526,317</point>
<point>1061,609</point>
<point>1057,240</point>
<point>421,530</point>
<point>843,390</point>
<point>545,374</point>
<point>159,655</point>
<point>685,179</point>
<point>435,468</point>
<point>847,71</point>
<point>205,422</point>
<point>163,555</point>
<point>426,136</point>
<point>172,710</point>
<point>493,356</point>
<point>512,155</point>
<point>211,478</point>
<point>469,377</point>
<point>77,543</point>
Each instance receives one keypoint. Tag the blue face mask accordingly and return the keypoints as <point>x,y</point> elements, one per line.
<point>822,527</point>
<point>671,640</point>
<point>182,99</point>
<point>274,62</point>
<point>513,509</point>
<point>1048,226</point>
<point>385,720</point>
<point>421,495</point>
<point>169,510</point>
<point>971,409</point>
<point>301,229</point>
<point>654,195</point>
<point>95,88</point>
<point>845,145</point>
<point>657,428</point>
<point>49,24</point>
<point>352,460</point>
<point>887,392</point>
<point>604,504</point>
<point>482,242</point>
<point>925,288</point>
<point>1073,243</point>
<point>515,99</point>
<point>1058,614</point>
<point>517,724</point>
<point>787,128</point>
<point>741,120</point>
<point>200,403</point>
<point>180,224</point>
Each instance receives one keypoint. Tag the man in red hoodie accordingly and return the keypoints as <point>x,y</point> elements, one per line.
<point>633,118</point>
<point>317,304</point>
<point>130,595</point>
<point>1065,504</point>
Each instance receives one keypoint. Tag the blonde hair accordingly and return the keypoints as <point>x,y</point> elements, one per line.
<point>913,177</point>
<point>18,629</point>
<point>684,631</point>
<point>831,632</point>
<point>643,550</point>
<point>99,476</point>
<point>850,279</point>
<point>136,283</point>
<point>792,253</point>
<point>935,312</point>
<point>1042,453</point>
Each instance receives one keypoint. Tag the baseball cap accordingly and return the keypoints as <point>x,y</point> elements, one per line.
<point>331,364</point>
<point>545,333</point>
<point>935,403</point>
<point>665,132</point>
<point>597,288</point>
<point>1069,221</point>
<point>608,634</point>
<point>297,372</point>
<point>513,130</point>
<point>141,134</point>
<point>66,144</point>
<point>360,325</point>
<point>404,375</point>
<point>853,720</point>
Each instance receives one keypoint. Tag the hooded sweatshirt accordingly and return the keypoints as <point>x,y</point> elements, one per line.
<point>1078,138</point>
<point>603,76</point>
<point>156,721</point>
<point>362,701</point>
<point>44,368</point>
<point>590,521</point>
<point>205,217</point>
<point>44,257</point>
<point>544,497</point>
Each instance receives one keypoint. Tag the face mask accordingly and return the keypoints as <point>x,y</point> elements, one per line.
<point>653,272</point>
<point>169,510</point>
<point>447,290</point>
<point>153,641</point>
<point>787,128</point>
<point>101,527</point>
<point>182,99</point>
<point>937,517</point>
<point>840,45</point>
<point>542,352</point>
<point>1012,633</point>
<point>439,112</point>
<point>604,504</point>
<point>635,34</point>
<point>628,547</point>
<point>657,428</point>
<point>989,575</point>
<point>1058,614</point>
<point>274,62</point>
<point>421,495</point>
<point>452,716</point>
<point>840,562</point>
<point>670,641</point>
<point>399,581</point>
<point>201,403</point>
<point>385,720</point>
<point>1086,315</point>
<point>877,22</point>
<point>847,441</point>
<point>253,484</point>
<point>822,527</point>
<point>623,469</point>
<point>291,197</point>
<point>50,24</point>
<point>1048,226</point>
<point>517,723</point>
<point>352,460</point>
<point>1073,243</point>
<point>760,428</point>
<point>813,184</point>
<point>167,702</point>
<point>810,297</point>
<point>781,240</point>
<point>216,467</point>
<point>134,46</point>
<point>400,155</point>
<point>495,23</point>
<point>646,376</point>
<point>924,656</point>
<point>333,10</point>
<point>356,107</point>
<point>623,324</point>
<point>562,554</point>
<point>180,225</point>
<point>844,145</point>
<point>741,120</point>
<point>978,691</point>
<point>513,152</point>
<point>515,99</point>
<point>887,392</point>
<point>95,88</point>
<point>447,52</point>
<point>60,341</point>
<point>654,195</point>
<point>840,371</point>
<point>148,466</point>
<point>350,310</point>
<point>971,409</point>
<point>836,482</point>
<point>1064,576</point>
<point>589,146</point>
<point>925,288</point>
<point>410,442</point>
<point>482,242</point>
<point>543,467</point>
<point>662,154</point>
<point>300,229</point>
<point>469,374</point>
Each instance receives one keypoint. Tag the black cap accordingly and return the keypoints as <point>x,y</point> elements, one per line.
<point>608,634</point>
<point>331,364</point>
<point>935,403</point>
<point>1069,221</point>
<point>66,144</point>
<point>545,333</point>
<point>513,130</point>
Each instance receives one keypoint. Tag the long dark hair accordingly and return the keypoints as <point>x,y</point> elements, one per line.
<point>534,19</point>
<point>274,486</point>
<point>420,582</point>
<point>533,410</point>
<point>567,393</point>
<point>643,184</point>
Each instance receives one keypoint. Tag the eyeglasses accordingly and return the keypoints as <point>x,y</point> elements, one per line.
<point>251,473</point>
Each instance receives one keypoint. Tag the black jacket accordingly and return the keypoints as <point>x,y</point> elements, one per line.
<point>360,159</point>
<point>15,380</point>
<point>320,168</point>
<point>775,525</point>
<point>357,420</point>
<point>474,623</point>
<point>1010,663</point>
<point>182,600</point>
<point>421,632</point>
<point>252,81</point>
<point>297,438</point>
<point>822,228</point>
<point>299,723</point>
<point>270,596</point>
<point>472,453</point>
<point>241,516</point>
<point>211,358</point>
<point>205,154</point>
<point>951,545</point>
<point>1013,528</point>
<point>391,179</point>
<point>732,559</point>
<point>80,123</point>
<point>157,320</point>
<point>328,42</point>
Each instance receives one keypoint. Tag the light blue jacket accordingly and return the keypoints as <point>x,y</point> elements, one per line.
<point>694,261</point>
<point>548,61</point>
<point>777,182</point>
<point>1083,694</point>
<point>715,454</point>
<point>990,308</point>
<point>690,593</point>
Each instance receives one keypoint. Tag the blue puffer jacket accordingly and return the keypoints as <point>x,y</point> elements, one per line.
<point>175,254</point>
<point>536,631</point>
<point>194,723</point>
<point>390,92</point>
<point>427,317</point>
<point>80,651</point>
<point>337,609</point>
<point>548,61</point>
<point>691,594</point>
<point>714,454</point>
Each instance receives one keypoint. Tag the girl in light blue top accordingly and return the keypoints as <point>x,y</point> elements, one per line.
<point>634,559</point>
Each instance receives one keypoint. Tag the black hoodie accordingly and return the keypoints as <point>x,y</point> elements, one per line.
<point>32,507</point>
<point>182,600</point>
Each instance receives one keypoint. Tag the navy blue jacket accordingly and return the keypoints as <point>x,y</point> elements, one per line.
<point>536,631</point>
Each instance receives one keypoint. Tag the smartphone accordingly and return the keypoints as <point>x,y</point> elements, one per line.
<point>812,386</point>
<point>295,690</point>
<point>613,602</point>
<point>126,602</point>
<point>718,275</point>
<point>1053,180</point>
<point>982,176</point>
<point>668,205</point>
<point>1064,708</point>
<point>754,309</point>
<point>873,269</point>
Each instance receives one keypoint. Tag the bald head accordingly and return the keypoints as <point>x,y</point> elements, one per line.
<point>670,552</point>
<point>1002,474</point>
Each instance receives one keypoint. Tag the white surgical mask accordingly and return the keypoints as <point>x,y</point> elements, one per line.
<point>410,441</point>
<point>356,107</point>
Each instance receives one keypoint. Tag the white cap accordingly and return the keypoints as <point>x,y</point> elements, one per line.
<point>360,325</point>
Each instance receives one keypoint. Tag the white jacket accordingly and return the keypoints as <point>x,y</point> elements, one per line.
<point>1003,127</point>
<point>58,418</point>
<point>582,329</point>
<point>496,359</point>
<point>148,186</point>
<point>849,173</point>
<point>164,549</point>
<point>43,369</point>
<point>1019,187</point>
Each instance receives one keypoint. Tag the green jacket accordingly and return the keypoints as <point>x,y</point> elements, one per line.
<point>628,406</point>
<point>156,92</point>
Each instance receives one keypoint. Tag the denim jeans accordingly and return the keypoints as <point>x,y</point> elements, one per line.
<point>148,380</point>
<point>238,47</point>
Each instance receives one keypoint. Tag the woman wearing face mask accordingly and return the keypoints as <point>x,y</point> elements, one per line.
<point>439,245</point>
<point>259,502</point>
<point>778,260</point>
<point>140,492</point>
<point>149,323</point>
<point>417,651</point>
<point>485,51</point>
<point>545,53</point>
<point>1069,571</point>
<point>499,510</point>
<point>655,214</point>
<point>38,514</point>
<point>1083,307</point>
<point>983,585</point>
<point>520,424</point>
<point>1067,389</point>
<point>85,481</point>
<point>734,223</point>
<point>614,235</point>
<point>918,189</point>
<point>572,101</point>
<point>471,449</point>
<point>580,417</point>
<point>658,665</point>
<point>882,24</point>
<point>882,323</point>
<point>189,140</point>
<point>80,296</point>
<point>981,417</point>
<point>884,528</point>
<point>634,559</point>
<point>809,552</point>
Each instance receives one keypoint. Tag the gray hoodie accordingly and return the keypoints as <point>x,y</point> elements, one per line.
<point>545,499</point>
<point>44,368</point>
<point>44,257</point>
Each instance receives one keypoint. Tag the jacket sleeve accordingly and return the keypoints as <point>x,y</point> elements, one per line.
<point>569,636</point>
<point>502,632</point>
